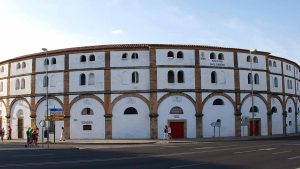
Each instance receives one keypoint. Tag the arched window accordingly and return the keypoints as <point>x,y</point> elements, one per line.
<point>45,81</point>
<point>130,110</point>
<point>124,56</point>
<point>87,111</point>
<point>255,59</point>
<point>92,57</point>
<point>274,110</point>
<point>170,55</point>
<point>1,86</point>
<point>53,61</point>
<point>290,110</point>
<point>287,67</point>
<point>18,66</point>
<point>256,79</point>
<point>91,79</point>
<point>249,78</point>
<point>171,77</point>
<point>134,56</point>
<point>180,55</point>
<point>82,58</point>
<point>180,76</point>
<point>22,83</point>
<point>176,110</point>
<point>255,109</point>
<point>23,65</point>
<point>82,79</point>
<point>2,69</point>
<point>135,77</point>
<point>218,102</point>
<point>275,82</point>
<point>270,63</point>
<point>46,62</point>
<point>248,58</point>
<point>274,64</point>
<point>213,77</point>
<point>221,56</point>
<point>17,84</point>
<point>212,55</point>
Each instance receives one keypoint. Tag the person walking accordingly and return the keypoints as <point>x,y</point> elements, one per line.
<point>166,132</point>
<point>1,134</point>
<point>62,134</point>
<point>34,138</point>
<point>9,133</point>
<point>169,133</point>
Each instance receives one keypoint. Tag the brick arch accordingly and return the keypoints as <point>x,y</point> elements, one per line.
<point>50,97</point>
<point>295,104</point>
<point>18,99</point>
<point>76,99</point>
<point>257,95</point>
<point>3,102</point>
<point>279,99</point>
<point>217,94</point>
<point>176,94</point>
<point>127,95</point>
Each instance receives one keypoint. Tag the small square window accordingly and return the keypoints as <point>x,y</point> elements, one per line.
<point>87,127</point>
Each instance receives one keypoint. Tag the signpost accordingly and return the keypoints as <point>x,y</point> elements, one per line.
<point>56,114</point>
<point>216,124</point>
<point>245,122</point>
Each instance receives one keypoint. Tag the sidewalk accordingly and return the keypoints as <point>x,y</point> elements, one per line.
<point>154,141</point>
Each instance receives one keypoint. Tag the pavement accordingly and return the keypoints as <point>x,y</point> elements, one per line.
<point>151,141</point>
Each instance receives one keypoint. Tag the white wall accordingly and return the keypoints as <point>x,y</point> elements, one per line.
<point>225,79</point>
<point>75,81</point>
<point>288,71</point>
<point>121,79</point>
<point>272,87</point>
<point>223,112</point>
<point>56,83</point>
<point>77,120</point>
<point>262,114</point>
<point>60,63</point>
<point>4,91</point>
<point>130,126</point>
<point>262,86</point>
<point>276,69</point>
<point>3,115</point>
<point>5,70</point>
<point>117,61</point>
<point>74,61</point>
<point>291,90</point>
<point>26,90</point>
<point>189,78</point>
<point>290,117</point>
<point>206,61</point>
<point>162,57</point>
<point>277,123</point>
<point>28,69</point>
<point>242,61</point>
<point>189,115</point>
<point>20,106</point>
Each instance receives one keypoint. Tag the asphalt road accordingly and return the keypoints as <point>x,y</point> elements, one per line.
<point>259,154</point>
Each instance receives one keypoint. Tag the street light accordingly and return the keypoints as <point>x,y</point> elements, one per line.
<point>47,83</point>
<point>252,98</point>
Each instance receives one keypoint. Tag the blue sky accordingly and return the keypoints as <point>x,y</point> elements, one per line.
<point>267,25</point>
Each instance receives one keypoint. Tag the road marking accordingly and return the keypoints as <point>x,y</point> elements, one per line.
<point>123,158</point>
<point>201,148</point>
<point>189,165</point>
<point>281,152</point>
<point>33,155</point>
<point>249,151</point>
<point>291,158</point>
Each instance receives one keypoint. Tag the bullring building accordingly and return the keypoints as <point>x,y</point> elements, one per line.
<point>131,91</point>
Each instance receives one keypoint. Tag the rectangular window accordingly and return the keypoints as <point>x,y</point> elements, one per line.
<point>87,127</point>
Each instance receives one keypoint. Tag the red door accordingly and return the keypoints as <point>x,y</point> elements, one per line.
<point>177,129</point>
<point>256,128</point>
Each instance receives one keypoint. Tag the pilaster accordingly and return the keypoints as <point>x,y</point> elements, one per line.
<point>32,97</point>
<point>153,94</point>
<point>237,97</point>
<point>199,115</point>
<point>107,97</point>
<point>66,98</point>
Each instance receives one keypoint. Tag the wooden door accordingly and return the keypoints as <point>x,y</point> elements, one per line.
<point>20,128</point>
<point>256,126</point>
<point>177,129</point>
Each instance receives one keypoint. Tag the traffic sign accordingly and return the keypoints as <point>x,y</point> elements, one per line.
<point>56,117</point>
<point>56,111</point>
<point>42,123</point>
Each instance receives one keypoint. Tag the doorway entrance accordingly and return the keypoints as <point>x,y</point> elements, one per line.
<point>177,129</point>
<point>256,125</point>
<point>20,128</point>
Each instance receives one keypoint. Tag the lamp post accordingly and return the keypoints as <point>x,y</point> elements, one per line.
<point>47,107</point>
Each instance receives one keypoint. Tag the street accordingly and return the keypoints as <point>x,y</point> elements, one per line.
<point>256,154</point>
